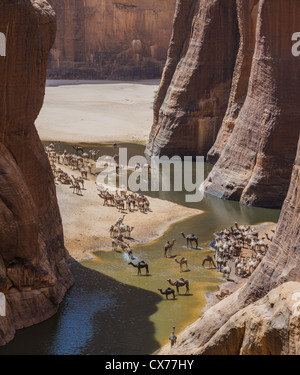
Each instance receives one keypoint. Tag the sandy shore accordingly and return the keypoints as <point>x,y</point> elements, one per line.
<point>97,111</point>
<point>86,221</point>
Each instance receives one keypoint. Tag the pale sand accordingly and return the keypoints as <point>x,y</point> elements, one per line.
<point>86,221</point>
<point>97,111</point>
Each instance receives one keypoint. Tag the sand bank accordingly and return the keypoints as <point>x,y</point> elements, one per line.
<point>97,111</point>
<point>86,221</point>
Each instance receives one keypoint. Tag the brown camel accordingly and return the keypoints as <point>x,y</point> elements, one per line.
<point>179,283</point>
<point>167,292</point>
<point>168,247</point>
<point>139,266</point>
<point>80,180</point>
<point>181,262</point>
<point>209,259</point>
<point>190,238</point>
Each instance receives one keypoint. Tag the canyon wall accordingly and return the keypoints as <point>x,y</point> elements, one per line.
<point>104,39</point>
<point>195,87</point>
<point>259,163</point>
<point>255,165</point>
<point>34,274</point>
<point>252,97</point>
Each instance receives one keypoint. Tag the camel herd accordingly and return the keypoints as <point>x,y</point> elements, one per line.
<point>242,247</point>
<point>83,163</point>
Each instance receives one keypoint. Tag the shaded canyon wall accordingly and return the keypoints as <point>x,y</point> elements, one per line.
<point>104,39</point>
<point>34,275</point>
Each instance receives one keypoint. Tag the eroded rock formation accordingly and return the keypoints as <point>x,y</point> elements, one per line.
<point>263,316</point>
<point>194,91</point>
<point>34,274</point>
<point>110,39</point>
<point>256,145</point>
<point>256,162</point>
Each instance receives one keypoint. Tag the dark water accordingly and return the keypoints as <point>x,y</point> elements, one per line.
<point>110,310</point>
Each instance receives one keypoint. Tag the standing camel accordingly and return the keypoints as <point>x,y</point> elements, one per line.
<point>190,238</point>
<point>209,259</point>
<point>180,283</point>
<point>181,262</point>
<point>167,292</point>
<point>139,266</point>
<point>168,247</point>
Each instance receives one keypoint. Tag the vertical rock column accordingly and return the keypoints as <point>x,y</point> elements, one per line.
<point>256,163</point>
<point>194,93</point>
<point>34,275</point>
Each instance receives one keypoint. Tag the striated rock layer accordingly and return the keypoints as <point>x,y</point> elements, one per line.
<point>247,18</point>
<point>110,39</point>
<point>263,317</point>
<point>256,162</point>
<point>195,87</point>
<point>34,275</point>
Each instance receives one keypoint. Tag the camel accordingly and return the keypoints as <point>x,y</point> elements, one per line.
<point>78,149</point>
<point>181,262</point>
<point>179,283</point>
<point>107,197</point>
<point>80,180</point>
<point>83,172</point>
<point>209,259</point>
<point>120,220</point>
<point>76,187</point>
<point>139,266</point>
<point>167,292</point>
<point>190,238</point>
<point>173,338</point>
<point>226,272</point>
<point>168,247</point>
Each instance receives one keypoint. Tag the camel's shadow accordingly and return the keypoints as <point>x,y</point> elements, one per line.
<point>192,248</point>
<point>143,275</point>
<point>188,270</point>
<point>185,294</point>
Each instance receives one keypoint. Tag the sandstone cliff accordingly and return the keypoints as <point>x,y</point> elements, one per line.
<point>34,274</point>
<point>110,39</point>
<point>195,87</point>
<point>263,317</point>
<point>256,162</point>
<point>256,151</point>
<point>257,105</point>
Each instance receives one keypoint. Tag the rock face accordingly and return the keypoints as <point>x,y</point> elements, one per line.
<point>110,39</point>
<point>256,145</point>
<point>34,274</point>
<point>263,317</point>
<point>195,87</point>
<point>256,162</point>
<point>247,18</point>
